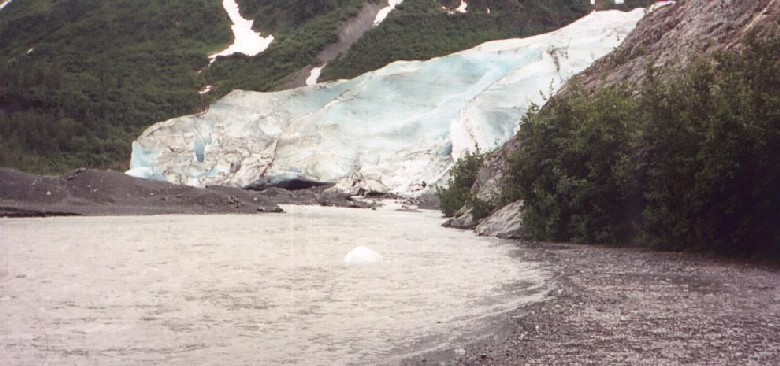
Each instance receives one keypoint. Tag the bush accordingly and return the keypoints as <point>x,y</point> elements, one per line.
<point>462,176</point>
<point>691,164</point>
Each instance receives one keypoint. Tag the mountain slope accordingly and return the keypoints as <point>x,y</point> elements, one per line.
<point>422,29</point>
<point>79,78</point>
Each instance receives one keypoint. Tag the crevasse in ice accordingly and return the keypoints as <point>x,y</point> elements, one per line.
<point>397,129</point>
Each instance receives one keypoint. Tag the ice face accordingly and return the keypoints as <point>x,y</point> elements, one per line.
<point>398,128</point>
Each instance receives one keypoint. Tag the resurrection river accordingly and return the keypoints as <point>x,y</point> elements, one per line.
<point>264,289</point>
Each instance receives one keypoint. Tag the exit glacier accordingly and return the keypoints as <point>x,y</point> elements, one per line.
<point>398,129</point>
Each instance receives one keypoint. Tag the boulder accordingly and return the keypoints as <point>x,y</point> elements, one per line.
<point>505,223</point>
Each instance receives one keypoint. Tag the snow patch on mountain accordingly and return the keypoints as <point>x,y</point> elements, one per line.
<point>398,129</point>
<point>4,4</point>
<point>246,40</point>
<point>382,15</point>
<point>462,7</point>
<point>315,75</point>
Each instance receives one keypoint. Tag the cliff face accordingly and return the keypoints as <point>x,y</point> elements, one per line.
<point>668,37</point>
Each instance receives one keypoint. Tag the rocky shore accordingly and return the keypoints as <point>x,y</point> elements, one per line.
<point>612,306</point>
<point>97,192</point>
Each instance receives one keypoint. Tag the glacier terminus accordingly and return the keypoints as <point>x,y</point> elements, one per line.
<point>394,130</point>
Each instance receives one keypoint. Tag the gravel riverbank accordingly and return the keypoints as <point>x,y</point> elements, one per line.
<point>107,193</point>
<point>612,306</point>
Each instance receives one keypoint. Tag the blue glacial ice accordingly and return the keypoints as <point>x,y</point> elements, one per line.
<point>397,129</point>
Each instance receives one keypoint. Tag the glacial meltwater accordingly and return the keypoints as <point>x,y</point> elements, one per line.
<point>264,290</point>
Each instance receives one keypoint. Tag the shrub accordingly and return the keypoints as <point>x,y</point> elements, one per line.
<point>462,176</point>
<point>690,164</point>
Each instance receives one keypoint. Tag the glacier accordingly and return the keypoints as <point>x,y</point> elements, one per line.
<point>395,130</point>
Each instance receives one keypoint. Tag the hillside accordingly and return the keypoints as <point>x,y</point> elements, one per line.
<point>670,142</point>
<point>79,79</point>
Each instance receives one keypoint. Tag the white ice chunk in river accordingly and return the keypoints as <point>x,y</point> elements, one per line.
<point>398,128</point>
<point>246,40</point>
<point>362,255</point>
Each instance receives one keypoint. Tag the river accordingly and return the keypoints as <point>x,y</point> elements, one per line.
<point>264,289</point>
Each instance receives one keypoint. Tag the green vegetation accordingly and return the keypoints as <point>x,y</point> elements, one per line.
<point>284,16</point>
<point>301,29</point>
<point>80,79</point>
<point>692,164</point>
<point>458,192</point>
<point>421,30</point>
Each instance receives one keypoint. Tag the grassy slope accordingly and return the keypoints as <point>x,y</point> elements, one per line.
<point>302,28</point>
<point>100,71</point>
<point>421,29</point>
